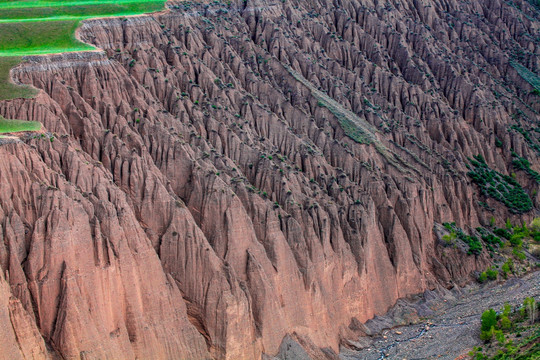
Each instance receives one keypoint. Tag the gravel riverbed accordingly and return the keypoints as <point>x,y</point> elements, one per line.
<point>453,327</point>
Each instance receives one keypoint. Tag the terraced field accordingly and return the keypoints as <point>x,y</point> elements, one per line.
<point>11,126</point>
<point>47,27</point>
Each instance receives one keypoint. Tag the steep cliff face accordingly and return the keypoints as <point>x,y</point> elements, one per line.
<point>199,193</point>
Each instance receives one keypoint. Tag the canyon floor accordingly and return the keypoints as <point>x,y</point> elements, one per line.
<point>453,329</point>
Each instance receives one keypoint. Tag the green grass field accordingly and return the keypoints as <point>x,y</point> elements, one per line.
<point>9,90</point>
<point>38,27</point>
<point>76,10</point>
<point>12,126</point>
<point>31,38</point>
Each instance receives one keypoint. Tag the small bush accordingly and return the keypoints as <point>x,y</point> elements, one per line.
<point>507,267</point>
<point>449,239</point>
<point>505,323</point>
<point>482,278</point>
<point>492,274</point>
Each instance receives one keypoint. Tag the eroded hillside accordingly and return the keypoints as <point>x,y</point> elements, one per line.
<point>227,174</point>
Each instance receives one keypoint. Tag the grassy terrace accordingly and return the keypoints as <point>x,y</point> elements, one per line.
<point>35,27</point>
<point>7,89</point>
<point>11,126</point>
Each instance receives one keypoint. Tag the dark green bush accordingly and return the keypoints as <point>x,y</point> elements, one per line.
<point>492,274</point>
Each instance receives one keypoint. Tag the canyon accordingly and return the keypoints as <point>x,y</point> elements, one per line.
<point>220,178</point>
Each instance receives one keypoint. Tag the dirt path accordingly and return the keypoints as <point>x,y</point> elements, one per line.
<point>452,330</point>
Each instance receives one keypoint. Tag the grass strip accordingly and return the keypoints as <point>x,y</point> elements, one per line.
<point>8,90</point>
<point>17,39</point>
<point>13,126</point>
<point>10,4</point>
<point>78,12</point>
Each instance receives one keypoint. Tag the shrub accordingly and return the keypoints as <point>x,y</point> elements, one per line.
<point>535,225</point>
<point>518,254</point>
<point>516,240</point>
<point>476,354</point>
<point>488,322</point>
<point>499,336</point>
<point>506,309</point>
<point>487,335</point>
<point>530,305</point>
<point>482,278</point>
<point>505,323</point>
<point>503,233</point>
<point>475,246</point>
<point>492,274</point>
<point>534,229</point>
<point>523,164</point>
<point>449,239</point>
<point>449,226</point>
<point>505,270</point>
<point>492,239</point>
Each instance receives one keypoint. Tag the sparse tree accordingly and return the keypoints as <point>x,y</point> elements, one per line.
<point>530,305</point>
<point>488,321</point>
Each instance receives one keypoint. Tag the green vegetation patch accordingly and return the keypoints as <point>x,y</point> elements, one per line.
<point>475,246</point>
<point>501,187</point>
<point>8,90</point>
<point>535,3</point>
<point>42,37</point>
<point>353,126</point>
<point>511,242</point>
<point>491,240</point>
<point>510,334</point>
<point>48,27</point>
<point>521,163</point>
<point>12,126</point>
<point>526,74</point>
<point>38,27</point>
<point>349,127</point>
<point>78,11</point>
<point>530,141</point>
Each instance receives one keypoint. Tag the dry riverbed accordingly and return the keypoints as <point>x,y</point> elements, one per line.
<point>449,324</point>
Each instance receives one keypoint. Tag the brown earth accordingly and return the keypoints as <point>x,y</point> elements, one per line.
<point>196,197</point>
